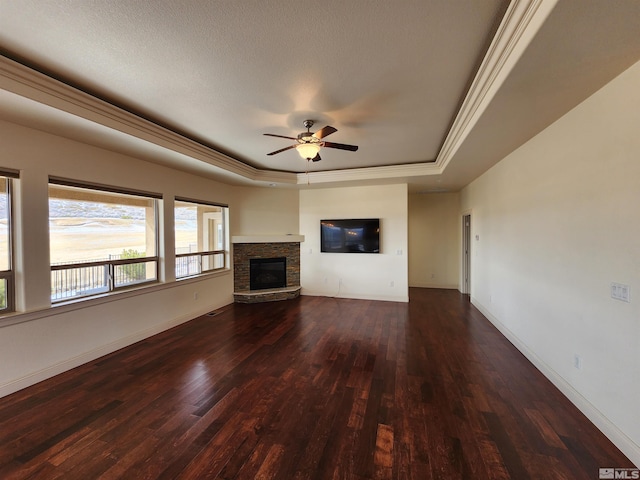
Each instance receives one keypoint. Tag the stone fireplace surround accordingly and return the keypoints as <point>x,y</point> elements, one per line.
<point>265,246</point>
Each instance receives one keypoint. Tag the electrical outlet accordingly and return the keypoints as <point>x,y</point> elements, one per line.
<point>195,295</point>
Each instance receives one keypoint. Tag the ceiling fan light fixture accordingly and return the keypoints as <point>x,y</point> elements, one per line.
<point>309,144</point>
<point>308,150</point>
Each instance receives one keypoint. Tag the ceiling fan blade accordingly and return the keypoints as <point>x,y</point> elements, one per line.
<point>325,131</point>
<point>316,158</point>
<point>282,150</point>
<point>341,146</point>
<point>279,136</point>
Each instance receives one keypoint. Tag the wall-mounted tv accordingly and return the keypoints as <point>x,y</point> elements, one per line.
<point>355,235</point>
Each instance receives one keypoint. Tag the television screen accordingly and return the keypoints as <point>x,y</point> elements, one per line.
<point>350,235</point>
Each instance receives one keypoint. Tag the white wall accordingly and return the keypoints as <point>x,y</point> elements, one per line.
<point>47,340</point>
<point>558,221</point>
<point>434,240</point>
<point>366,276</point>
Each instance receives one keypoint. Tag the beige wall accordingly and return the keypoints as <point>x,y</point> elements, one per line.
<point>265,211</point>
<point>382,276</point>
<point>557,222</point>
<point>434,240</point>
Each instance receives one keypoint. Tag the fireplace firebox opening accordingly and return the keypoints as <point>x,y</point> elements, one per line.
<point>267,273</point>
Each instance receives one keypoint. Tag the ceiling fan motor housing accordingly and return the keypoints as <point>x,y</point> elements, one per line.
<point>307,137</point>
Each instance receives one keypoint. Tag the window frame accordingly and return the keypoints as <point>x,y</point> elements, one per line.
<point>109,265</point>
<point>9,275</point>
<point>200,255</point>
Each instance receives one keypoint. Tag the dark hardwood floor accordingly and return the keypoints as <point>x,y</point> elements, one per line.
<point>312,388</point>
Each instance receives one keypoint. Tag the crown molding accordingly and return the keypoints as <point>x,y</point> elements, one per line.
<point>26,82</point>
<point>520,24</point>
<point>370,173</point>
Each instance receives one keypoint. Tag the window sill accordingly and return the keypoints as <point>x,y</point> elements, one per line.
<point>208,273</point>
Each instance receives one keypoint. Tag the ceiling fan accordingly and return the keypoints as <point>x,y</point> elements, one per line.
<point>309,144</point>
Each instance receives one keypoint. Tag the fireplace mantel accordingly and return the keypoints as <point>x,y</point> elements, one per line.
<point>290,238</point>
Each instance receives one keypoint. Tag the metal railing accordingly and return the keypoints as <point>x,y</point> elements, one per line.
<point>73,280</point>
<point>190,264</point>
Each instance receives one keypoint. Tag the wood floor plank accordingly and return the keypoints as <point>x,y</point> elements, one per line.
<point>383,456</point>
<point>311,388</point>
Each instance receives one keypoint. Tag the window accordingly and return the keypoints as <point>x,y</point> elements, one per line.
<point>6,257</point>
<point>101,239</point>
<point>200,234</point>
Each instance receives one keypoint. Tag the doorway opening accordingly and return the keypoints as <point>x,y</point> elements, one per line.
<point>466,254</point>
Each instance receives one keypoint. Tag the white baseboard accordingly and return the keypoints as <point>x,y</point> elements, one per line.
<point>606,426</point>
<point>53,370</point>
<point>356,296</point>
<point>433,285</point>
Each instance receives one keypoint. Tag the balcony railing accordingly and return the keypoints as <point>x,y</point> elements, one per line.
<point>190,264</point>
<point>73,280</point>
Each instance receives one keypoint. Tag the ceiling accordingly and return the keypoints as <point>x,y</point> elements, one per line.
<point>434,92</point>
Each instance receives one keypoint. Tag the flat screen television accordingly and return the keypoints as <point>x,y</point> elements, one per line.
<point>355,235</point>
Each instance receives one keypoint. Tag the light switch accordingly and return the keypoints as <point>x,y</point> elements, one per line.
<point>621,292</point>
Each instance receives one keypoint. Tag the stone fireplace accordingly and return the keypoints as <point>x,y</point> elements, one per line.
<point>268,254</point>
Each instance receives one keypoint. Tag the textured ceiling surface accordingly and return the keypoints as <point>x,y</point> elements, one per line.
<point>390,76</point>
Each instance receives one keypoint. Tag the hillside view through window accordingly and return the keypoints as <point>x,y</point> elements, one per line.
<point>6,275</point>
<point>200,237</point>
<point>99,241</point>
